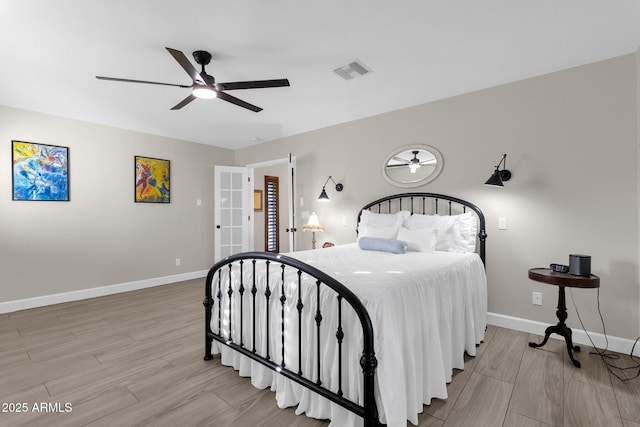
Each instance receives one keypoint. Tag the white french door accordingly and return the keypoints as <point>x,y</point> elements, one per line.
<point>232,211</point>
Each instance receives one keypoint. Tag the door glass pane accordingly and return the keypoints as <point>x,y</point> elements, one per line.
<point>225,251</point>
<point>225,199</point>
<point>225,216</point>
<point>225,180</point>
<point>225,236</point>
<point>237,217</point>
<point>236,199</point>
<point>237,234</point>
<point>236,181</point>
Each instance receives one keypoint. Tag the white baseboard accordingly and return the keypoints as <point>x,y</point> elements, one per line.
<point>620,345</point>
<point>23,304</point>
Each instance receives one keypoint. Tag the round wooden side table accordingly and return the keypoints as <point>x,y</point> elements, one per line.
<point>562,280</point>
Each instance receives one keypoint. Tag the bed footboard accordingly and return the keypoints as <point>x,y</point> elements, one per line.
<point>232,295</point>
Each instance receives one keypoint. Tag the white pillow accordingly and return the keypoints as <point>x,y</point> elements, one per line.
<point>371,220</point>
<point>420,221</point>
<point>382,233</point>
<point>380,220</point>
<point>442,223</point>
<point>457,233</point>
<point>451,240</point>
<point>421,240</point>
<point>468,231</point>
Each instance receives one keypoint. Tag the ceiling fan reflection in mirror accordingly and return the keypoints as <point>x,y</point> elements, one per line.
<point>204,85</point>
<point>413,163</point>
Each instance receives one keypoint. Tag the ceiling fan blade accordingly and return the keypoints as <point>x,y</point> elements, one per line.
<point>138,81</point>
<point>256,84</point>
<point>429,162</point>
<point>184,102</point>
<point>239,102</point>
<point>188,67</point>
<point>398,159</point>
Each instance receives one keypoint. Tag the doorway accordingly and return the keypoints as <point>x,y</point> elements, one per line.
<point>284,170</point>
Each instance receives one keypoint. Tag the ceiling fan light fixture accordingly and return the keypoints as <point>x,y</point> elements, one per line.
<point>204,85</point>
<point>204,92</point>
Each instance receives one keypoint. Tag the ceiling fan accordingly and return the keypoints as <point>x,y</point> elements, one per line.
<point>413,163</point>
<point>205,85</point>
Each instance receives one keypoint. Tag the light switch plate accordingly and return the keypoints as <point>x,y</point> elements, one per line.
<point>502,223</point>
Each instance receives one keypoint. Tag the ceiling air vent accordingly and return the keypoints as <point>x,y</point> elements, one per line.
<point>353,70</point>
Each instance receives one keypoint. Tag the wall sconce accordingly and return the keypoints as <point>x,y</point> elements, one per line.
<point>313,225</point>
<point>323,195</point>
<point>499,175</point>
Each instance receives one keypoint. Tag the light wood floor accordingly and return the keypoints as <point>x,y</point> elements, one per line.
<point>136,359</point>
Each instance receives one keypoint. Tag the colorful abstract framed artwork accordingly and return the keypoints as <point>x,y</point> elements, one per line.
<point>40,172</point>
<point>152,180</point>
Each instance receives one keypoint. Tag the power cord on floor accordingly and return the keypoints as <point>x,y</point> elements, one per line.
<point>607,356</point>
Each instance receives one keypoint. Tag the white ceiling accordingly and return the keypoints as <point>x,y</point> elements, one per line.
<point>419,51</point>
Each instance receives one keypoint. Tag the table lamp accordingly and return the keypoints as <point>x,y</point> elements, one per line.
<point>313,225</point>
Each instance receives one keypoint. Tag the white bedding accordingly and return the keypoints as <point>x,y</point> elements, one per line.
<point>427,309</point>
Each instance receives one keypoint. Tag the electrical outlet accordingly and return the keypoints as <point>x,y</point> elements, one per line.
<point>178,261</point>
<point>536,298</point>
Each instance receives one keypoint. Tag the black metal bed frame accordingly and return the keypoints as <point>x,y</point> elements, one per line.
<point>214,290</point>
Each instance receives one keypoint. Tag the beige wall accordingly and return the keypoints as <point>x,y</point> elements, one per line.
<point>101,237</point>
<point>571,139</point>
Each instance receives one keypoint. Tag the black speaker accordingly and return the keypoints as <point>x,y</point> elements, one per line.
<point>580,265</point>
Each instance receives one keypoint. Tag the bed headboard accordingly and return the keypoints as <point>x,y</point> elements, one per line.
<point>430,203</point>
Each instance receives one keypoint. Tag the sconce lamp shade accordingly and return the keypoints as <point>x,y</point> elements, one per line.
<point>313,224</point>
<point>323,195</point>
<point>499,176</point>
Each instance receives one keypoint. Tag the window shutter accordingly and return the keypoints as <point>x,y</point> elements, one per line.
<point>271,214</point>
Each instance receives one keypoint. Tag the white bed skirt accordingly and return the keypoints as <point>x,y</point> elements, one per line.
<point>427,310</point>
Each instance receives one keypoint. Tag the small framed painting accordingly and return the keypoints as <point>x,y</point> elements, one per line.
<point>152,183</point>
<point>257,200</point>
<point>40,172</point>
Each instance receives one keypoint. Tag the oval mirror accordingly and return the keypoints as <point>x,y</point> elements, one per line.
<point>412,166</point>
